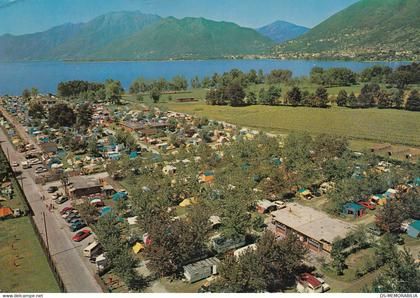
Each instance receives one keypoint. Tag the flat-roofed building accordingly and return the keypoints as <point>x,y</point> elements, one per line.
<point>316,229</point>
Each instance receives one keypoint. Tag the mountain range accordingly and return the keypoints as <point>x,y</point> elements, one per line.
<point>134,35</point>
<point>281,31</point>
<point>367,29</point>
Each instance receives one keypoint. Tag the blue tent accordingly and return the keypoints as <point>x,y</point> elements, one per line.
<point>119,196</point>
<point>413,229</point>
<point>105,210</point>
<point>133,155</point>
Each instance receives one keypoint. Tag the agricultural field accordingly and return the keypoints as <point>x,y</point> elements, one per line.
<point>24,267</point>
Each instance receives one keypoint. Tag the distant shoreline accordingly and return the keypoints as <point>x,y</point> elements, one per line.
<point>205,59</point>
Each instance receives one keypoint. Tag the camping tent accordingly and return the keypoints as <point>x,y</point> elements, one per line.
<point>138,247</point>
<point>119,196</point>
<point>5,212</point>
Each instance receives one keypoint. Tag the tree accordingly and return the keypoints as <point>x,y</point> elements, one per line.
<point>278,76</point>
<point>84,115</point>
<point>368,95</point>
<point>316,75</point>
<point>339,259</point>
<point>26,94</point>
<point>173,244</point>
<point>242,275</point>
<point>235,94</point>
<point>155,95</point>
<point>281,259</point>
<point>61,115</point>
<point>401,275</point>
<point>113,91</point>
<point>321,97</point>
<point>36,110</point>
<point>342,98</point>
<point>413,101</point>
<point>271,267</point>
<point>195,82</point>
<point>352,101</point>
<point>384,100</point>
<point>270,96</point>
<point>251,98</point>
<point>294,96</point>
<point>34,92</point>
<point>179,83</point>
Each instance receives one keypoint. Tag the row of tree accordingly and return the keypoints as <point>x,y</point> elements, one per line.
<point>235,95</point>
<point>371,95</point>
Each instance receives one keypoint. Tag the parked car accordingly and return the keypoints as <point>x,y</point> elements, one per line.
<point>79,236</point>
<point>40,170</point>
<point>66,209</point>
<point>74,220</point>
<point>69,213</point>
<point>368,205</point>
<point>77,226</point>
<point>15,164</point>
<point>98,204</point>
<point>62,200</point>
<point>375,231</point>
<point>72,216</point>
<point>52,189</point>
<point>35,161</point>
<point>56,196</point>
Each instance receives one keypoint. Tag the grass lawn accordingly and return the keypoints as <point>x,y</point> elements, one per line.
<point>393,126</point>
<point>18,244</point>
<point>179,286</point>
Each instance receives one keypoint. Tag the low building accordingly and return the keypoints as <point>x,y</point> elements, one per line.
<point>201,270</point>
<point>264,206</point>
<point>353,209</point>
<point>316,229</point>
<point>84,186</point>
<point>307,283</point>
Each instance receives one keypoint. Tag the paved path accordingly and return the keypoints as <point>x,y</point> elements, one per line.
<point>73,268</point>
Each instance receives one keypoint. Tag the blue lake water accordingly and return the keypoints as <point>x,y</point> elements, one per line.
<point>16,76</point>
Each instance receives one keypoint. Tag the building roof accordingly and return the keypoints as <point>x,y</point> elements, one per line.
<point>310,279</point>
<point>83,182</point>
<point>313,223</point>
<point>354,206</point>
<point>197,267</point>
<point>265,204</point>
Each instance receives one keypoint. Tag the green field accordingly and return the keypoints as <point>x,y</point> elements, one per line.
<point>393,126</point>
<point>24,267</point>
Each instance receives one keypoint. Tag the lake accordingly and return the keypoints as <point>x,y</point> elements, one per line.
<point>16,76</point>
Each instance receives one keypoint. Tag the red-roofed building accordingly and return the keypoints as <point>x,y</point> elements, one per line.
<point>307,283</point>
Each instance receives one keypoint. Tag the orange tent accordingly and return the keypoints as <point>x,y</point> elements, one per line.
<point>5,212</point>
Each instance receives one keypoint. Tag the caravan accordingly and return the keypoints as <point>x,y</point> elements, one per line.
<point>92,249</point>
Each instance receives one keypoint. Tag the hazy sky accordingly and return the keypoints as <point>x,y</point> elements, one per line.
<point>27,16</point>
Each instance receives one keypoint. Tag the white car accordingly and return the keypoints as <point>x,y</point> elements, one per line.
<point>56,196</point>
<point>325,287</point>
<point>15,164</point>
<point>35,161</point>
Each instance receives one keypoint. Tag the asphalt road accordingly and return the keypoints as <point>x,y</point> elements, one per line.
<point>75,270</point>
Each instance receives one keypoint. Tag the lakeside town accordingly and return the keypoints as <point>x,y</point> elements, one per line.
<point>131,197</point>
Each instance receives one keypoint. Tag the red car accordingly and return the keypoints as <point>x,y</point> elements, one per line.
<point>367,205</point>
<point>64,210</point>
<point>79,236</point>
